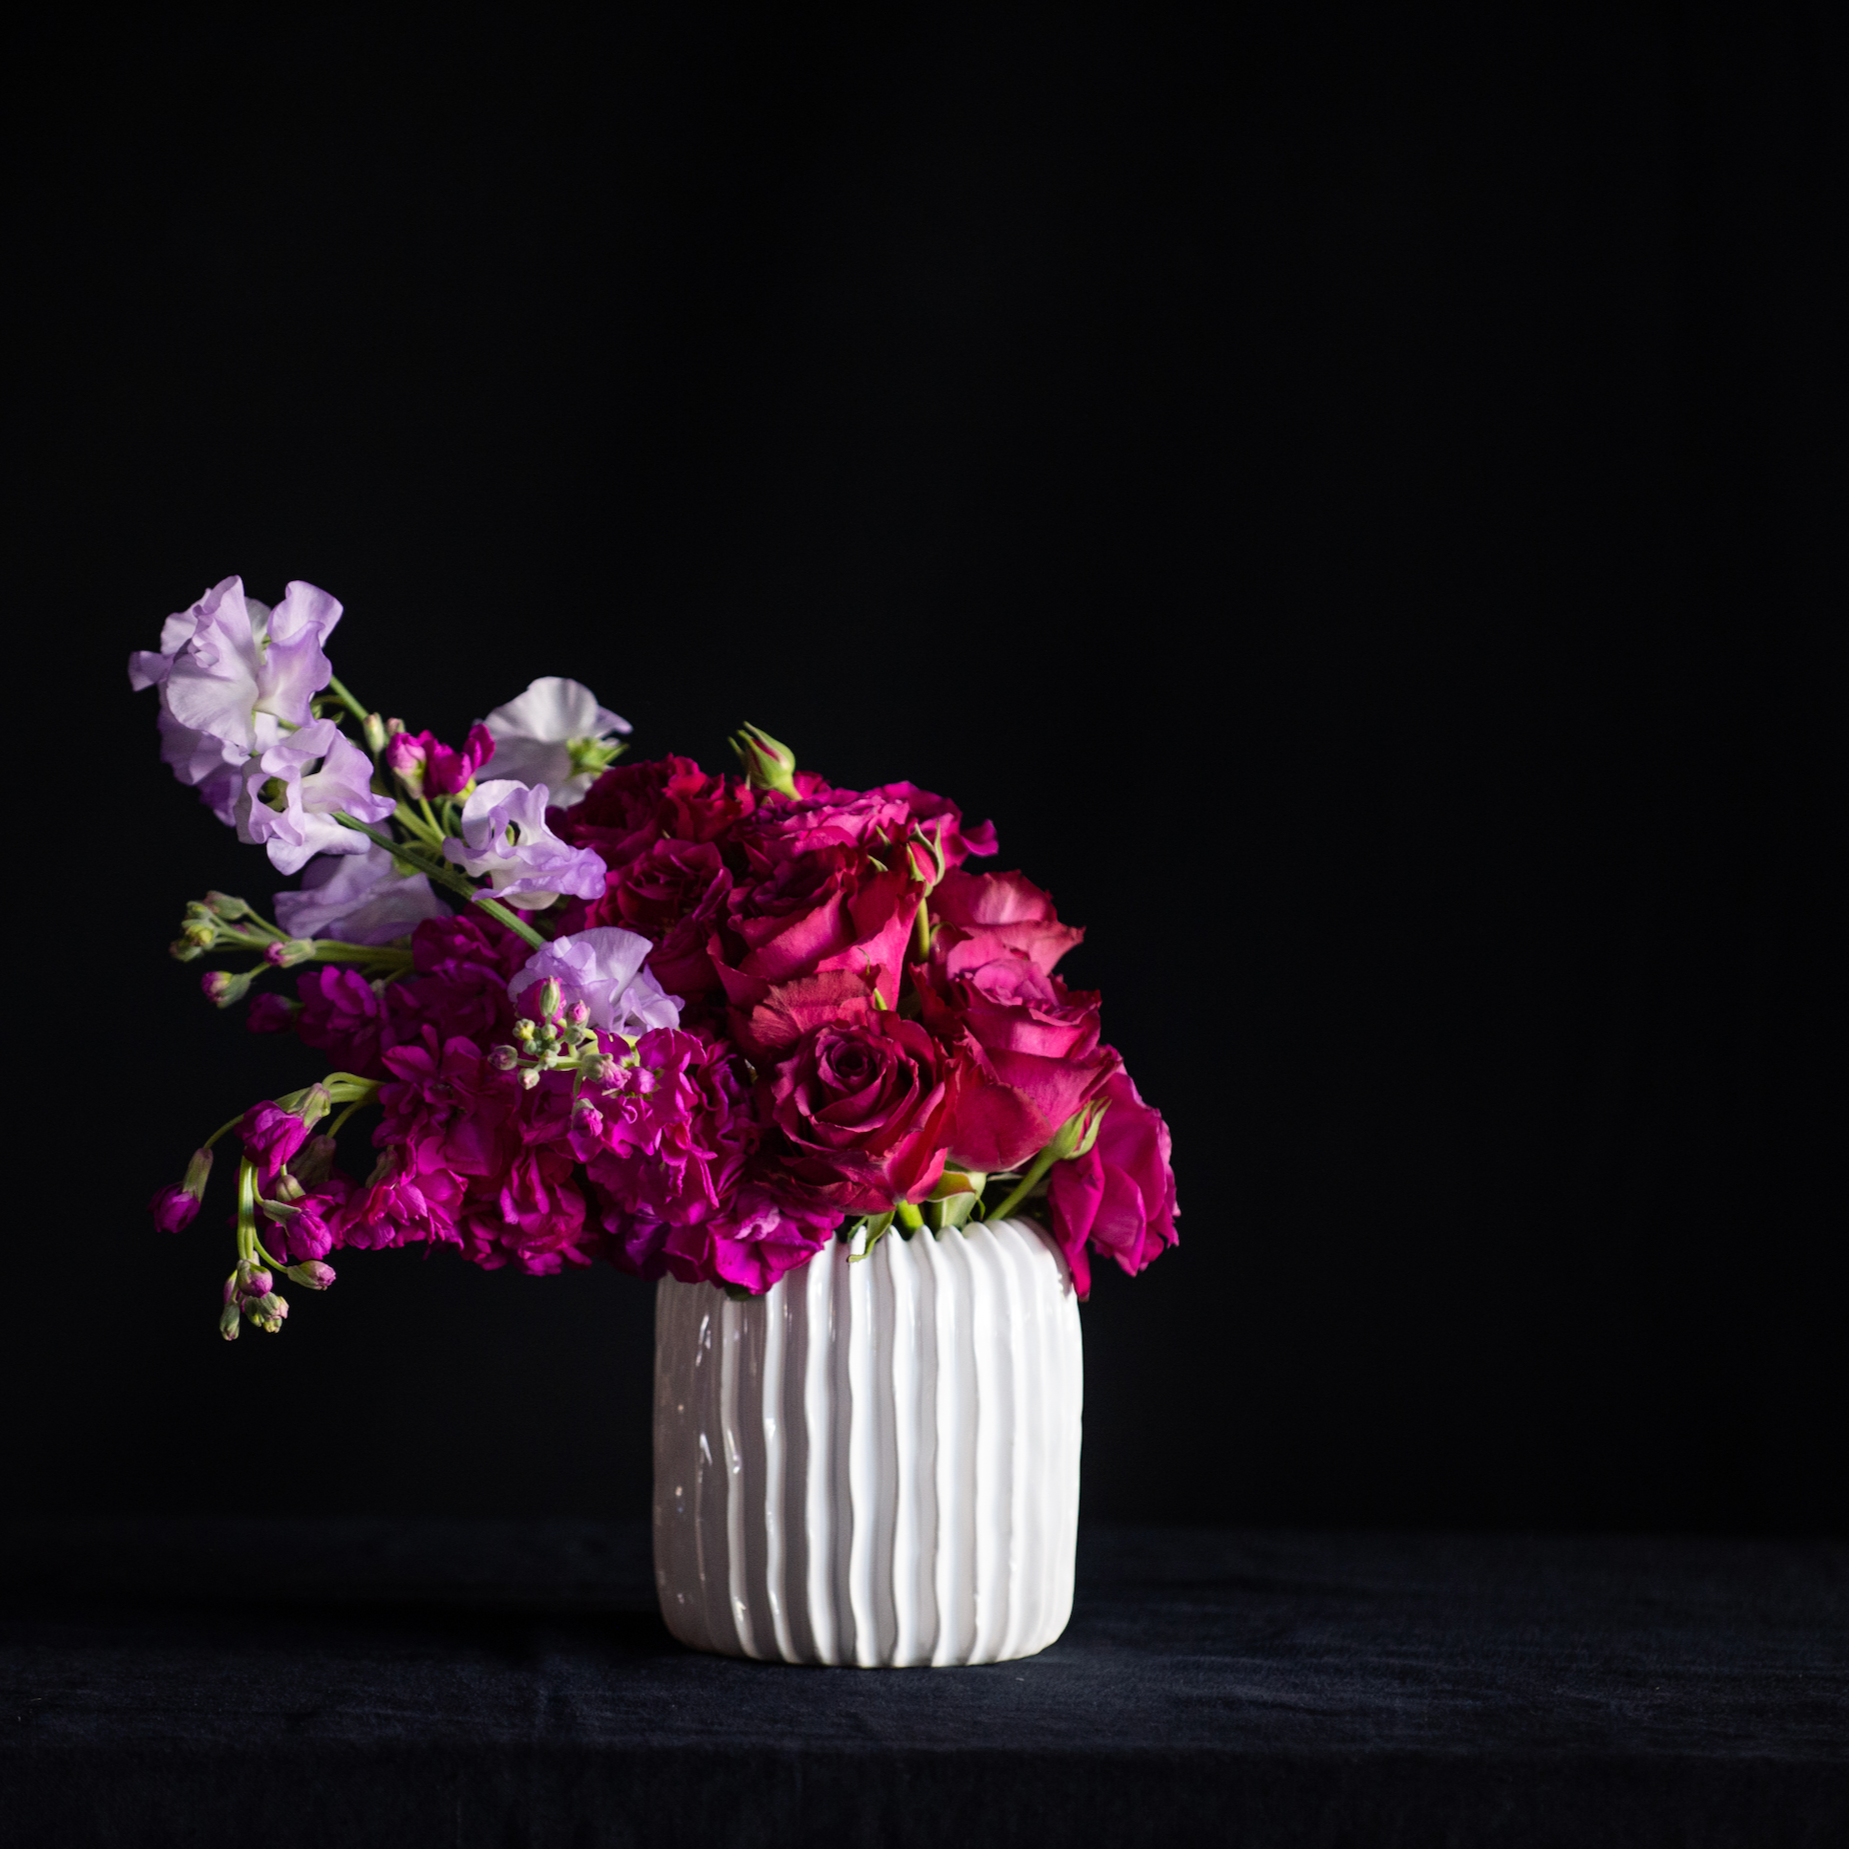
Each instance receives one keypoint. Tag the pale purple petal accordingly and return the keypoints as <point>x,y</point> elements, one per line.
<point>305,825</point>
<point>359,899</point>
<point>213,682</point>
<point>603,969</point>
<point>504,835</point>
<point>533,734</point>
<point>294,669</point>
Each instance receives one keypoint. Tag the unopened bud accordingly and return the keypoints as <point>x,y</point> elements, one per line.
<point>311,1274</point>
<point>374,728</point>
<point>503,1058</point>
<point>267,1312</point>
<point>768,765</point>
<point>257,1281</point>
<point>314,1162</point>
<point>223,987</point>
<point>601,1067</point>
<point>550,996</point>
<point>524,1029</point>
<point>226,907</point>
<point>228,1319</point>
<point>407,760</point>
<point>578,1014</point>
<point>184,952</point>
<point>310,1104</point>
<point>200,932</point>
<point>529,1076</point>
<point>288,953</point>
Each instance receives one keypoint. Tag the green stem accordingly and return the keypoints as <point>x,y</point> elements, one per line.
<point>222,1128</point>
<point>476,895</point>
<point>346,699</point>
<point>1025,1186</point>
<point>436,827</point>
<point>409,818</point>
<point>358,1104</point>
<point>247,1207</point>
<point>333,950</point>
<point>519,926</point>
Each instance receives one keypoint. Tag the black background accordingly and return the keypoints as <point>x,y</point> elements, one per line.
<point>1353,494</point>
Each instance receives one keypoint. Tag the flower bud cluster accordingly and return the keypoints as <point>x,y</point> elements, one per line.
<point>250,1295</point>
<point>561,1040</point>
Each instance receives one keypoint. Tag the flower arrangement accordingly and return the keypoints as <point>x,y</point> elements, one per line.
<point>696,1025</point>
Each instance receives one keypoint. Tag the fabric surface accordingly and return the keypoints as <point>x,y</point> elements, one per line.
<point>471,1684</point>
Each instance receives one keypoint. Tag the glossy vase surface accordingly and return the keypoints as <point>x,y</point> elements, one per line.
<point>877,1461</point>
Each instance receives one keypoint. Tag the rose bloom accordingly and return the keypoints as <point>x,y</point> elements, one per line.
<point>1119,1195</point>
<point>865,1108</point>
<point>1034,1044</point>
<point>978,917</point>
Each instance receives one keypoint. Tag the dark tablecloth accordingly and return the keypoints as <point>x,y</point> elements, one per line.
<point>413,1683</point>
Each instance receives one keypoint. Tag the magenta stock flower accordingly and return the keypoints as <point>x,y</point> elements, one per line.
<point>290,809</point>
<point>505,836</point>
<point>428,767</point>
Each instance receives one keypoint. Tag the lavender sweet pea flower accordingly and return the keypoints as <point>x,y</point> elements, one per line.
<point>603,969</point>
<point>504,835</point>
<point>555,734</point>
<point>233,674</point>
<point>304,825</point>
<point>358,899</point>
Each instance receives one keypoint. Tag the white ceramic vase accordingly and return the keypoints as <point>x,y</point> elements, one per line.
<point>876,1462</point>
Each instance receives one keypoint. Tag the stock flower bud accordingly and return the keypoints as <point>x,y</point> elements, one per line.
<point>223,987</point>
<point>529,1077</point>
<point>184,952</point>
<point>313,1163</point>
<point>406,759</point>
<point>503,1058</point>
<point>312,1274</point>
<point>174,1208</point>
<point>222,905</point>
<point>288,953</point>
<point>578,1014</point>
<point>378,730</point>
<point>550,995</point>
<point>267,1312</point>
<point>228,1319</point>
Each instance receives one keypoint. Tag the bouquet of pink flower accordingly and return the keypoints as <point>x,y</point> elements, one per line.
<point>697,1025</point>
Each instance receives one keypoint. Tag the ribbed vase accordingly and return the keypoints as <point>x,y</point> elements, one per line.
<point>875,1462</point>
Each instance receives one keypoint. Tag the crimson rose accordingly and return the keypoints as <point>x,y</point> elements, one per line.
<point>865,1108</point>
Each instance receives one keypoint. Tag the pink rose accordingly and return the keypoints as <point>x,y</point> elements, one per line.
<point>1035,1055</point>
<point>832,909</point>
<point>865,1108</point>
<point>1119,1195</point>
<point>978,917</point>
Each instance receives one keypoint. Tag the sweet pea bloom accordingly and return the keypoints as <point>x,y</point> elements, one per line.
<point>556,734</point>
<point>504,835</point>
<point>603,969</point>
<point>304,825</point>
<point>233,674</point>
<point>358,898</point>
